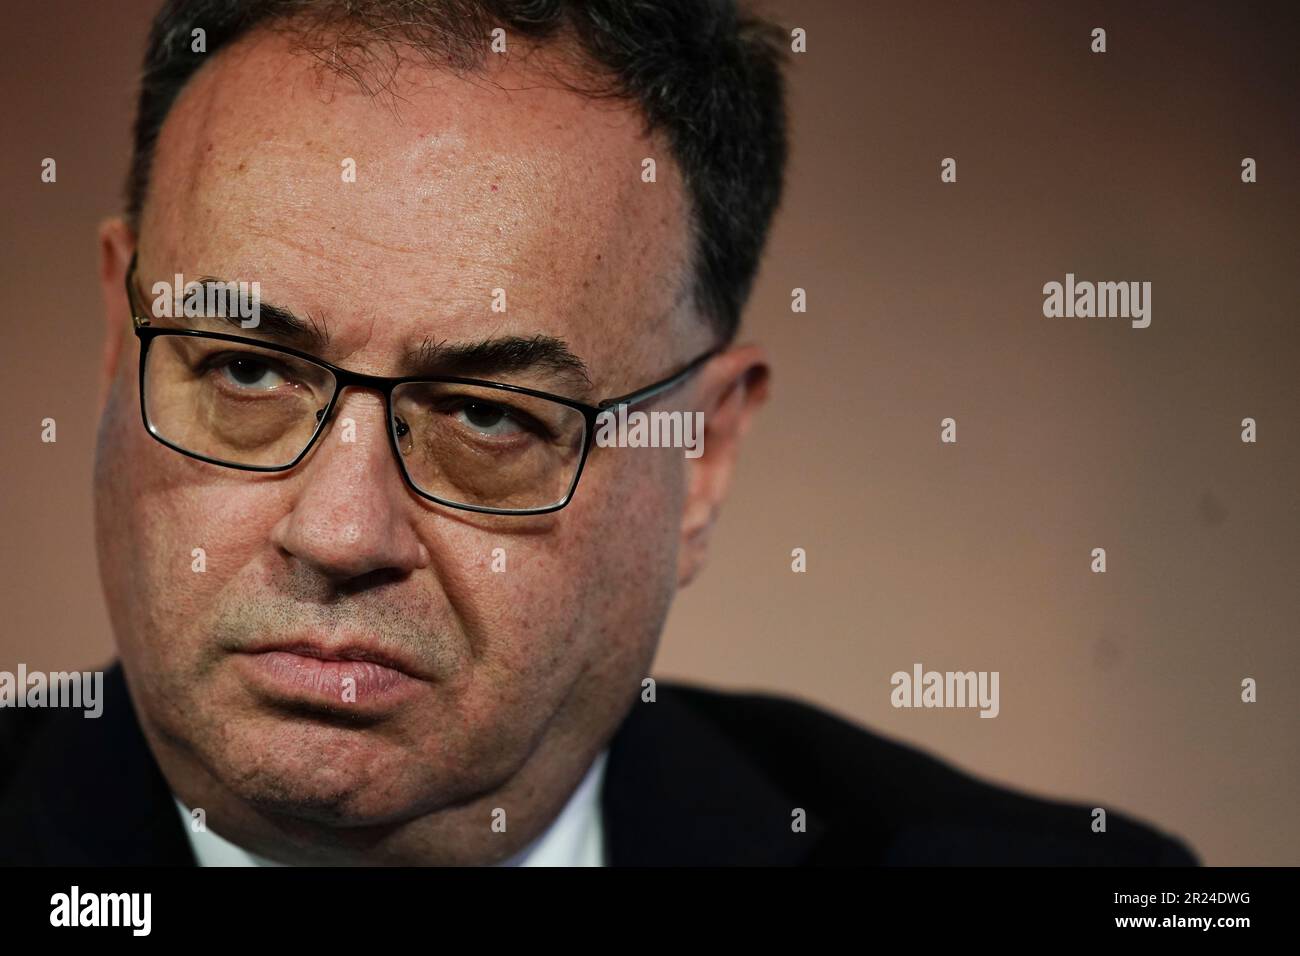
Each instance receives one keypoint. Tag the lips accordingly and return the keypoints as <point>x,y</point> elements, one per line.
<point>353,652</point>
<point>346,675</point>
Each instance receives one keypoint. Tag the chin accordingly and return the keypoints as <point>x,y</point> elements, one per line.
<point>331,774</point>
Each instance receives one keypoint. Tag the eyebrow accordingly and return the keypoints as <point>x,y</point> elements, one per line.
<point>272,320</point>
<point>500,356</point>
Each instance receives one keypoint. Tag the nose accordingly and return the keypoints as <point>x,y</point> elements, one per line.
<point>352,514</point>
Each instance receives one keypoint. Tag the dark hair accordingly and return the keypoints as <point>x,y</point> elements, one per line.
<point>701,72</point>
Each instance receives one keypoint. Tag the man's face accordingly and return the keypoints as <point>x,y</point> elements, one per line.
<point>461,188</point>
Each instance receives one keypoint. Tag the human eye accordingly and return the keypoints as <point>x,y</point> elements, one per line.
<point>489,418</point>
<point>245,371</point>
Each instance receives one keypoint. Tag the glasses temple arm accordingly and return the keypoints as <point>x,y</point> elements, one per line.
<point>635,398</point>
<point>138,315</point>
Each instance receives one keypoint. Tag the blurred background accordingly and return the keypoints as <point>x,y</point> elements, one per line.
<point>925,302</point>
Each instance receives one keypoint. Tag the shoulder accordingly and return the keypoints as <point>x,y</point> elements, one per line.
<point>886,802</point>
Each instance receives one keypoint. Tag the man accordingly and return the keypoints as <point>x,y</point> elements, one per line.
<point>380,595</point>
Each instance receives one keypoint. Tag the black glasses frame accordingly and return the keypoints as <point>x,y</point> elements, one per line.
<point>345,378</point>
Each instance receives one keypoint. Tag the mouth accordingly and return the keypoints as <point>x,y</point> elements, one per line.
<point>343,676</point>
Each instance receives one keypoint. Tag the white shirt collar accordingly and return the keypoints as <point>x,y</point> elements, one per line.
<point>574,838</point>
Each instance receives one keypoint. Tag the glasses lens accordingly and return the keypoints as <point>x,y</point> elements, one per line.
<point>234,403</point>
<point>487,447</point>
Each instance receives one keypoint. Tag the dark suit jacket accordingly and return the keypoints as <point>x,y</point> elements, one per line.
<point>699,777</point>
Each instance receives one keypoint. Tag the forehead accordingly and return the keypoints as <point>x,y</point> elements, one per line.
<point>463,185</point>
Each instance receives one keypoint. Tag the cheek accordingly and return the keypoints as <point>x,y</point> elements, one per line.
<point>637,521</point>
<point>125,572</point>
<point>171,534</point>
<point>588,593</point>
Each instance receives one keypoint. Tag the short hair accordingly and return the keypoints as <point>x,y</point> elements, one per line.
<point>705,74</point>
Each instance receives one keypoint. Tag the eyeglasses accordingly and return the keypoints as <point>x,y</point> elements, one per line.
<point>466,443</point>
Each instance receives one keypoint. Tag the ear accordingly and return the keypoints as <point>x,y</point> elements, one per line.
<point>731,389</point>
<point>116,245</point>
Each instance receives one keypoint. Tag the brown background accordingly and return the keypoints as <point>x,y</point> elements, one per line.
<point>924,302</point>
